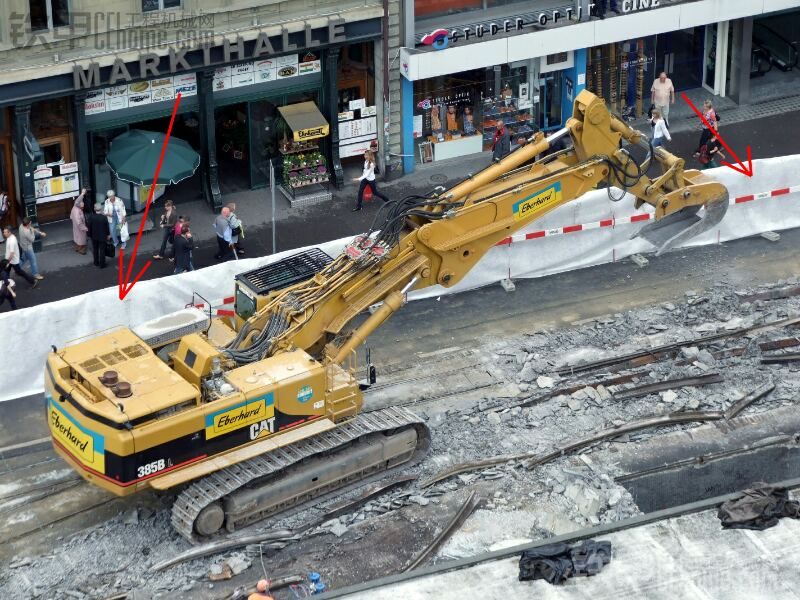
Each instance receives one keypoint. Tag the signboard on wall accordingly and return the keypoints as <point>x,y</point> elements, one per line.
<point>357,134</point>
<point>139,93</point>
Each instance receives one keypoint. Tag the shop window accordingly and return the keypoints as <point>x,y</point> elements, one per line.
<point>151,5</point>
<point>50,117</point>
<point>356,76</point>
<point>47,14</point>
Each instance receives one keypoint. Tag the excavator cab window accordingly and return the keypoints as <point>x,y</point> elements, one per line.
<point>245,305</point>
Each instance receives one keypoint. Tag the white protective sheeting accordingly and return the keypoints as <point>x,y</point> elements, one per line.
<point>26,335</point>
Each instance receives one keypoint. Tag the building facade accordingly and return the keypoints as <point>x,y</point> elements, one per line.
<point>76,74</point>
<point>469,64</point>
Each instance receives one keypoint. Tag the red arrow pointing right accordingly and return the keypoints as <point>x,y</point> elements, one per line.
<point>740,168</point>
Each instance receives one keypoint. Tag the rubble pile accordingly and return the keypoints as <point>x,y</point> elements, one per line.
<point>545,400</point>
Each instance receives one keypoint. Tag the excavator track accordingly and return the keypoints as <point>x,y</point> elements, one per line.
<point>212,500</point>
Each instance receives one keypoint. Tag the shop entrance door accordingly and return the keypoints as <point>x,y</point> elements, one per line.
<point>6,171</point>
<point>55,149</point>
<point>681,56</point>
<point>550,90</point>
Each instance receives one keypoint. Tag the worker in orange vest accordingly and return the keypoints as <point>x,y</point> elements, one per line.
<point>262,591</point>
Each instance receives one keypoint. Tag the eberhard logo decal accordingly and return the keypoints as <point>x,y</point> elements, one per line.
<point>526,207</point>
<point>85,445</point>
<point>240,415</point>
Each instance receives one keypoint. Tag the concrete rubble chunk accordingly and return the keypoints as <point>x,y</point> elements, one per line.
<point>238,563</point>
<point>338,529</point>
<point>668,306</point>
<point>545,382</point>
<point>705,357</point>
<point>690,352</point>
<point>614,497</point>
<point>493,418</point>
<point>575,404</point>
<point>527,373</point>
<point>669,396</point>
<point>421,500</point>
<point>693,404</point>
<point>578,395</point>
<point>603,393</point>
<point>589,502</point>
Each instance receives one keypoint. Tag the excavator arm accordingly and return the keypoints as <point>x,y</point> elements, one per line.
<point>438,238</point>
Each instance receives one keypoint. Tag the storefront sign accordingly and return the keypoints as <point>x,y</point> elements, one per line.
<point>348,150</point>
<point>67,168</point>
<point>358,128</point>
<point>42,172</point>
<point>312,133</point>
<point>635,5</point>
<point>56,188</point>
<point>141,93</point>
<point>148,63</point>
<point>442,38</point>
<point>346,116</point>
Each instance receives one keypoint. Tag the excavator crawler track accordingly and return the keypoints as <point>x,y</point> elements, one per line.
<point>213,498</point>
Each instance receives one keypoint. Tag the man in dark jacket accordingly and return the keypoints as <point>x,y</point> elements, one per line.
<point>502,142</point>
<point>183,251</point>
<point>99,233</point>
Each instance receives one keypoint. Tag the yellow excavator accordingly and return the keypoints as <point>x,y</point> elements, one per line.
<point>251,415</point>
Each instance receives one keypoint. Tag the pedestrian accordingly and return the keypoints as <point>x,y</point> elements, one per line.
<point>183,251</point>
<point>262,591</point>
<point>711,154</point>
<point>660,130</point>
<point>100,233</point>
<point>223,230</point>
<point>13,257</point>
<point>3,206</point>
<point>501,145</point>
<point>368,179</point>
<point>237,231</point>
<point>167,223</point>
<point>27,236</point>
<point>7,286</point>
<point>78,218</point>
<point>114,210</point>
<point>710,116</point>
<point>662,94</point>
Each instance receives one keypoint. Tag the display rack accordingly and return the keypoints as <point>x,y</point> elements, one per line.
<point>304,181</point>
<point>519,121</point>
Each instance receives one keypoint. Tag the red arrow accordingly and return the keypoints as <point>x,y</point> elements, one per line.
<point>741,168</point>
<point>125,287</point>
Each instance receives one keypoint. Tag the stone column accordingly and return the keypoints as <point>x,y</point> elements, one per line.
<point>81,141</point>
<point>22,125</point>
<point>740,51</point>
<point>331,81</point>
<point>208,141</point>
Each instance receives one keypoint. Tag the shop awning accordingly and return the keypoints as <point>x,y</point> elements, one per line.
<point>305,121</point>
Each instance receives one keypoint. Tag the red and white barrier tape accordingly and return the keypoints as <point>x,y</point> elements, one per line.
<point>215,307</point>
<point>613,222</point>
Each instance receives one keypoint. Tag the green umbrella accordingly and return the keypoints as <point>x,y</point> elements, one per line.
<point>134,157</point>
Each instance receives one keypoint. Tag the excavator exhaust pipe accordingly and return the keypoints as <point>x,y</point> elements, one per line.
<point>674,229</point>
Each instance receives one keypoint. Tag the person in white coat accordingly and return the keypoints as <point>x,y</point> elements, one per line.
<point>368,179</point>
<point>114,210</point>
<point>660,131</point>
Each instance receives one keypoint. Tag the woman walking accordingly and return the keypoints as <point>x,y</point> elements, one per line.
<point>660,130</point>
<point>368,179</point>
<point>79,228</point>
<point>167,224</point>
<point>710,115</point>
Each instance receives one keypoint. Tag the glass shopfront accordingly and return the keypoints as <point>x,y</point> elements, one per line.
<point>458,114</point>
<point>623,72</point>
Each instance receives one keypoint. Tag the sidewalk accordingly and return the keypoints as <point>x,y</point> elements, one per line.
<point>69,274</point>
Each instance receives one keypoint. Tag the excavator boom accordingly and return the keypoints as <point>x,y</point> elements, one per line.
<point>262,415</point>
